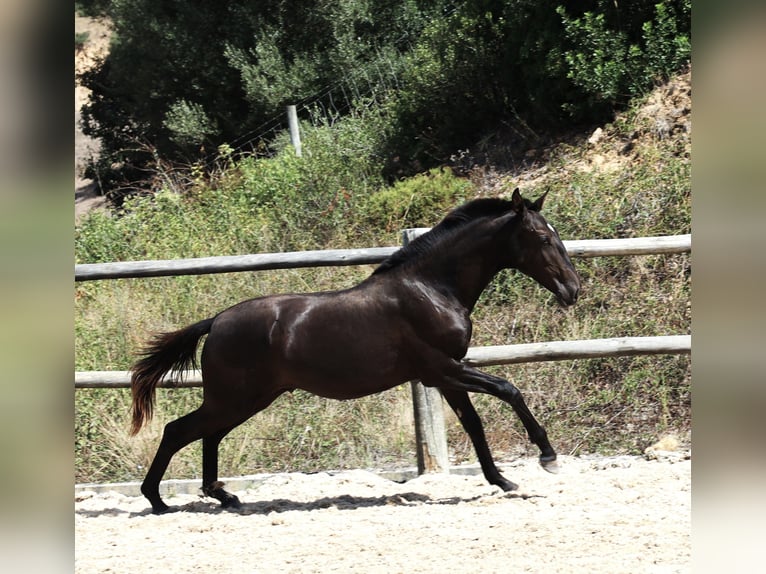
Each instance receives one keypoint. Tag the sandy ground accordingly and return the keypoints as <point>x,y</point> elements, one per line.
<point>619,514</point>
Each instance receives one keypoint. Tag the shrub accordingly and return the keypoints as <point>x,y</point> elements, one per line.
<point>419,201</point>
<point>611,64</point>
<point>80,39</point>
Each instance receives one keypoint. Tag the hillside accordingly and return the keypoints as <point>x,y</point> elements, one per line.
<point>662,116</point>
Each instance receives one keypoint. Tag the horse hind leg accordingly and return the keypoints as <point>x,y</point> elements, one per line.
<point>177,434</point>
<point>211,486</point>
<point>198,424</point>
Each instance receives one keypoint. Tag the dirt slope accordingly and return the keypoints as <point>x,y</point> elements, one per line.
<point>96,47</point>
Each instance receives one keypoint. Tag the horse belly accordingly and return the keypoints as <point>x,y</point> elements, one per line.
<point>345,359</point>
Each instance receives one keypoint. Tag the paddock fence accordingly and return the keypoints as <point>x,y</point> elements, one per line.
<point>429,418</point>
<point>341,257</point>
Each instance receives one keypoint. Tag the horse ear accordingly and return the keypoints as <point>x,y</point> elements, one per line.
<point>517,202</point>
<point>538,204</point>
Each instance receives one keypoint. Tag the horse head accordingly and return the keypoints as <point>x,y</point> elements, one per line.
<point>537,250</point>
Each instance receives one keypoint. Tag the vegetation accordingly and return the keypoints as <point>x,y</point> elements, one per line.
<point>183,79</point>
<point>634,181</point>
<point>80,40</point>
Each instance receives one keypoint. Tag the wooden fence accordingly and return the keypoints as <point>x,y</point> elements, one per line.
<point>429,423</point>
<point>340,257</point>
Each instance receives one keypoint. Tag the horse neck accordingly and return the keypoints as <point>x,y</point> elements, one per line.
<point>464,268</point>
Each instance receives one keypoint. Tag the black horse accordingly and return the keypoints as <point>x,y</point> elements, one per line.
<point>409,320</point>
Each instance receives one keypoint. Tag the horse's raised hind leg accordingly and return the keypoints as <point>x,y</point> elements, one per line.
<point>469,418</point>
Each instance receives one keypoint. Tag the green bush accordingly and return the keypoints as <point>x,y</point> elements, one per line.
<point>419,201</point>
<point>80,39</point>
<point>611,66</point>
<point>307,201</point>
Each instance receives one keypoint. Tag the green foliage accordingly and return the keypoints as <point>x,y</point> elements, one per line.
<point>279,203</point>
<point>308,200</point>
<point>188,123</point>
<point>80,39</point>
<point>524,68</point>
<point>418,201</point>
<point>93,8</point>
<point>102,238</point>
<point>610,67</point>
<point>603,57</point>
<point>187,78</point>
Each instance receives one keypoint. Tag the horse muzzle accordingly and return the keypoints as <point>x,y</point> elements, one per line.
<point>567,293</point>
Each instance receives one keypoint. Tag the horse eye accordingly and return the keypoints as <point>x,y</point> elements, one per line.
<point>545,239</point>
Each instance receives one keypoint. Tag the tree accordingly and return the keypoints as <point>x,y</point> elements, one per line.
<point>183,77</point>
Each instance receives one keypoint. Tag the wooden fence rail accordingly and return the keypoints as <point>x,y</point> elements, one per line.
<point>340,257</point>
<point>476,356</point>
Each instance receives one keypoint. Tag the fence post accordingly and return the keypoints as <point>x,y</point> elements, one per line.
<point>430,435</point>
<point>295,134</point>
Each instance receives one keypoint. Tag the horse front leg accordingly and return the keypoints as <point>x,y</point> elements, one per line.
<point>469,418</point>
<point>461,377</point>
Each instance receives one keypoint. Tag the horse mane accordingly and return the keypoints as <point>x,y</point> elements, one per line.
<point>457,219</point>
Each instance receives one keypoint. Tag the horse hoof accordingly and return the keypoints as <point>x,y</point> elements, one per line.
<point>163,509</point>
<point>551,466</point>
<point>507,485</point>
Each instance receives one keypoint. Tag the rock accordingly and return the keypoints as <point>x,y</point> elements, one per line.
<point>596,136</point>
<point>667,449</point>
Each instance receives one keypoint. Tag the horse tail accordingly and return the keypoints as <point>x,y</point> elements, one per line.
<point>175,351</point>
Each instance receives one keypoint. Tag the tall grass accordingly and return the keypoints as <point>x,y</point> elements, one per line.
<point>332,197</point>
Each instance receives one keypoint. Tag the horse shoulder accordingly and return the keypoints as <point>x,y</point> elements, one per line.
<point>437,319</point>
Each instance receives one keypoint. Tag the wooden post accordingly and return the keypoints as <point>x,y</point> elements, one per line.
<point>295,134</point>
<point>430,435</point>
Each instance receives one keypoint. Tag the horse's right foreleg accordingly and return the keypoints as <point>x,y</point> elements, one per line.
<point>469,418</point>
<point>448,374</point>
<point>468,379</point>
